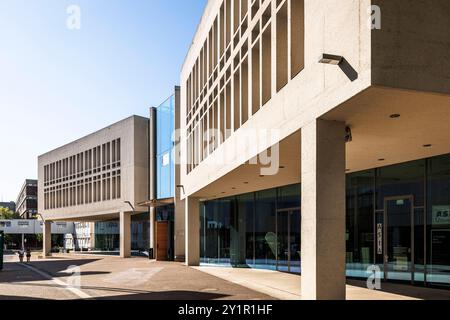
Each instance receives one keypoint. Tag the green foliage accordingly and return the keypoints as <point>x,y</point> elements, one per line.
<point>6,214</point>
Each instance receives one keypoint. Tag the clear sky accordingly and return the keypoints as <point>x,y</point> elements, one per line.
<point>57,84</point>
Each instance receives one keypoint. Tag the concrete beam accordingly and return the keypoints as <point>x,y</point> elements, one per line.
<point>323,210</point>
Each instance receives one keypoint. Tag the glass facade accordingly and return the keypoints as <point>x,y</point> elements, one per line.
<point>255,230</point>
<point>107,234</point>
<point>165,143</point>
<point>398,218</point>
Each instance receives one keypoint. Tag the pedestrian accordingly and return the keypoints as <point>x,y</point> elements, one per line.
<point>28,255</point>
<point>20,253</point>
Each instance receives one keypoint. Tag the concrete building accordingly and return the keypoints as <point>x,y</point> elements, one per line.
<point>27,200</point>
<point>8,205</point>
<point>101,177</point>
<point>315,139</point>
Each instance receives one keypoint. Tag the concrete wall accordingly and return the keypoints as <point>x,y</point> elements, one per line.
<point>334,27</point>
<point>412,49</point>
<point>133,133</point>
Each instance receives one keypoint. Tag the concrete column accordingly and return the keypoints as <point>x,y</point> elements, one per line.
<point>152,230</point>
<point>323,211</point>
<point>180,205</point>
<point>47,239</point>
<point>125,235</point>
<point>92,235</point>
<point>180,241</point>
<point>192,245</point>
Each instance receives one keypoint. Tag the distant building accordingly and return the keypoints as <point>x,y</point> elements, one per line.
<point>9,205</point>
<point>98,178</point>
<point>26,203</point>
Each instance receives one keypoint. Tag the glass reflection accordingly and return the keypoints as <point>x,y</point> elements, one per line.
<point>401,213</point>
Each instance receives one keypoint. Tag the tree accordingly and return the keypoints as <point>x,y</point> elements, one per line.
<point>6,214</point>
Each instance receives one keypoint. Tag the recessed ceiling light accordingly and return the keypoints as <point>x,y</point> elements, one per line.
<point>245,182</point>
<point>395,116</point>
<point>427,145</point>
<point>223,192</point>
<point>381,159</point>
<point>233,188</point>
<point>282,167</point>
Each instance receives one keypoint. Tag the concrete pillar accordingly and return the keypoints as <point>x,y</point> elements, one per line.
<point>152,230</point>
<point>47,239</point>
<point>180,205</point>
<point>92,235</point>
<point>180,240</point>
<point>125,235</point>
<point>323,211</point>
<point>192,245</point>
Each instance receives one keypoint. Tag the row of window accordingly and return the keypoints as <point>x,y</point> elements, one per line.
<point>232,80</point>
<point>101,158</point>
<point>92,190</point>
<point>30,190</point>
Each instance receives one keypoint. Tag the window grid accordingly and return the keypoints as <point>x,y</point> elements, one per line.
<point>235,73</point>
<point>87,177</point>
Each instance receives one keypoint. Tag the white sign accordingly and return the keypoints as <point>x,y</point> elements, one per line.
<point>440,215</point>
<point>380,238</point>
<point>165,159</point>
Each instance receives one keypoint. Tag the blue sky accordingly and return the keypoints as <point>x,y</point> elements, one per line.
<point>57,85</point>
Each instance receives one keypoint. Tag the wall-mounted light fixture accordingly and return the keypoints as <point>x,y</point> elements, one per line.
<point>340,61</point>
<point>182,187</point>
<point>330,59</point>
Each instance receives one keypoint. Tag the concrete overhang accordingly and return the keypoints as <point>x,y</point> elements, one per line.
<point>421,131</point>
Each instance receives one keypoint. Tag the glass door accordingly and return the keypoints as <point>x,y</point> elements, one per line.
<point>288,240</point>
<point>399,235</point>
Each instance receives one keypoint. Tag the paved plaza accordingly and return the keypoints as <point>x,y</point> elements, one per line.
<point>70,277</point>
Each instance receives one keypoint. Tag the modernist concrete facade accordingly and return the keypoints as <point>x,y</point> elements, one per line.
<point>96,178</point>
<point>27,200</point>
<point>255,79</point>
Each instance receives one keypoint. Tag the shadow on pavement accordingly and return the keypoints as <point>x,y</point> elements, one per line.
<point>17,298</point>
<point>166,295</point>
<point>55,268</point>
